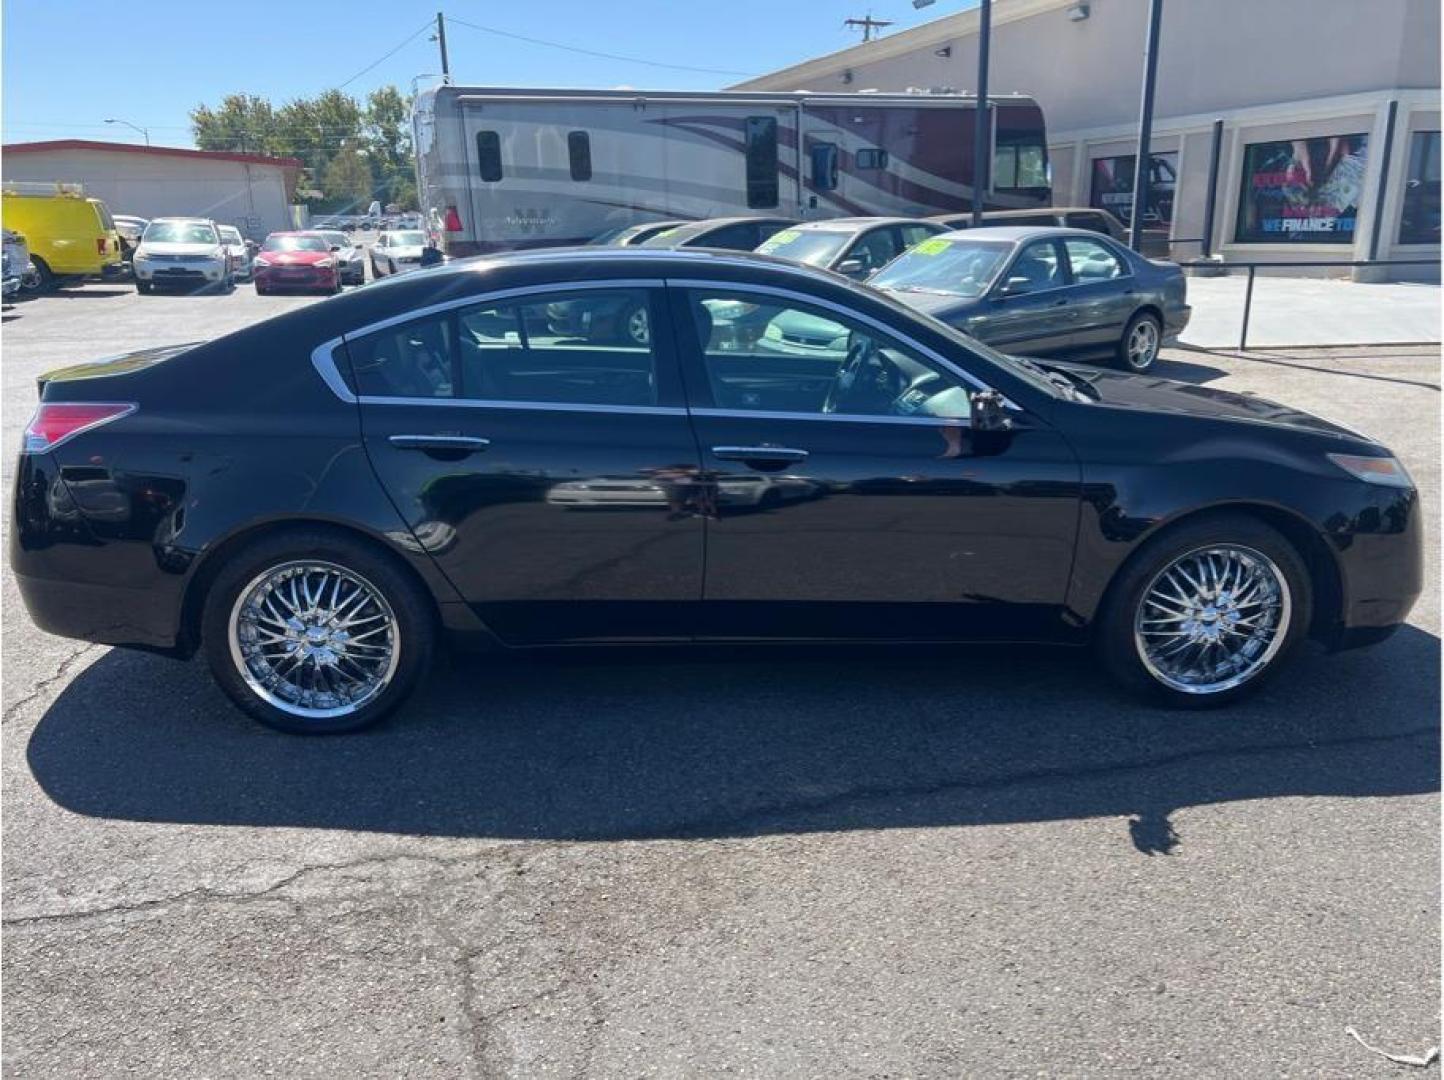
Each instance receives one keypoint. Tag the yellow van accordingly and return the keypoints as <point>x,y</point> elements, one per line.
<point>69,235</point>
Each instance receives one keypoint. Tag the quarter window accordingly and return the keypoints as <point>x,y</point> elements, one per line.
<point>579,152</point>
<point>1092,261</point>
<point>761,143</point>
<point>765,356</point>
<point>410,361</point>
<point>488,155</point>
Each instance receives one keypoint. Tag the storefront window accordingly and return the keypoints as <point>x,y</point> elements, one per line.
<point>1304,191</point>
<point>1420,222</point>
<point>1113,188</point>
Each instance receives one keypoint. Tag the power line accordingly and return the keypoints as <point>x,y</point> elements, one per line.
<point>594,52</point>
<point>427,25</point>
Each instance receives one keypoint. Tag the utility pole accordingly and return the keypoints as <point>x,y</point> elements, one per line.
<point>982,166</point>
<point>1142,168</point>
<point>441,40</point>
<point>868,24</point>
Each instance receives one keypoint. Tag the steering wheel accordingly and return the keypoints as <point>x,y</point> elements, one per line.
<point>848,372</point>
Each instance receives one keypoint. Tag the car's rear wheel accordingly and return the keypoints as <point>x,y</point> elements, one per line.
<point>144,287</point>
<point>1142,338</point>
<point>315,632</point>
<point>1205,613</point>
<point>43,279</point>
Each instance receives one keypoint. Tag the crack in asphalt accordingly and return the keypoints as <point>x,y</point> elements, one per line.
<point>46,683</point>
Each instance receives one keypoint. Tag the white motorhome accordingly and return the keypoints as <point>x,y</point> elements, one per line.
<point>507,168</point>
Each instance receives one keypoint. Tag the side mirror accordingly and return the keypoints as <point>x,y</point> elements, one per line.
<point>851,268</point>
<point>1015,286</point>
<point>432,256</point>
<point>988,413</point>
<point>335,247</point>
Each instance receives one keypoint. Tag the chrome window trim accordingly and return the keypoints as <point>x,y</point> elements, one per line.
<point>325,364</point>
<point>858,316</point>
<point>852,418</point>
<point>531,406</point>
<point>590,285</point>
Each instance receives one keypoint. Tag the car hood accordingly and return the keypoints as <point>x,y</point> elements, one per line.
<point>170,248</point>
<point>944,306</point>
<point>293,258</point>
<point>1148,392</point>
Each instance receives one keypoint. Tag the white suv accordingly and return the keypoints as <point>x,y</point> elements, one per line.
<point>181,251</point>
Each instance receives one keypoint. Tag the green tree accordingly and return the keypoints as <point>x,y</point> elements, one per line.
<point>347,182</point>
<point>242,123</point>
<point>387,130</point>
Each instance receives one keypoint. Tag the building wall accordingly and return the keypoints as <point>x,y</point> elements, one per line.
<point>1271,69</point>
<point>250,196</point>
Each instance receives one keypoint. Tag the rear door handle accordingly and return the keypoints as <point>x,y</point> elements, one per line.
<point>760,457</point>
<point>468,444</point>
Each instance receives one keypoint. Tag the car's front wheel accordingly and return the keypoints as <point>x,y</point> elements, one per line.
<point>1142,338</point>
<point>316,632</point>
<point>1206,612</point>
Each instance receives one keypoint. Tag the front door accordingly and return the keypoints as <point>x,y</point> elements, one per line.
<point>846,494</point>
<point>537,448</point>
<point>1029,311</point>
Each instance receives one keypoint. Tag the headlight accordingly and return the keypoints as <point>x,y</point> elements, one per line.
<point>1384,471</point>
<point>326,264</point>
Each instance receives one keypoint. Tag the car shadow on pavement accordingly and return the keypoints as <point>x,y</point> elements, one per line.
<point>729,742</point>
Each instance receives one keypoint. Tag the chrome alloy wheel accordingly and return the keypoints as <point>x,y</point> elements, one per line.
<point>1212,619</point>
<point>1142,345</point>
<point>314,639</point>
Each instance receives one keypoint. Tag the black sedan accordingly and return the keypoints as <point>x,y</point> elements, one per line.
<point>318,501</point>
<point>727,234</point>
<point>630,235</point>
<point>1044,291</point>
<point>853,247</point>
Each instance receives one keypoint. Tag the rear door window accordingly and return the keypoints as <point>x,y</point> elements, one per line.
<point>1092,261</point>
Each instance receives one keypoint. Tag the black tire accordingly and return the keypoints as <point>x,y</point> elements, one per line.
<point>1144,322</point>
<point>262,291</point>
<point>414,624</point>
<point>1114,636</point>
<point>44,278</point>
<point>145,288</point>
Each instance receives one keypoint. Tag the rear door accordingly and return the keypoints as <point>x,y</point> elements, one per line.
<point>549,473</point>
<point>1102,294</point>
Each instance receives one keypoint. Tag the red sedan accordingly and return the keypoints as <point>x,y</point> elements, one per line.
<point>289,260</point>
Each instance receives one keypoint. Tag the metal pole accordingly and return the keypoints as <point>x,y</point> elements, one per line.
<point>1141,168</point>
<point>1378,226</point>
<point>441,40</point>
<point>981,127</point>
<point>1247,305</point>
<point>1212,199</point>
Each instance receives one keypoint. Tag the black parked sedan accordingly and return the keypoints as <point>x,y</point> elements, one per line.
<point>1044,291</point>
<point>727,234</point>
<point>317,501</point>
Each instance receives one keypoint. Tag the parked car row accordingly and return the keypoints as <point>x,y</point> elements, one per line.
<point>1043,282</point>
<point>68,235</point>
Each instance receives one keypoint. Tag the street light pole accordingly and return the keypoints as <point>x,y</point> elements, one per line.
<point>440,39</point>
<point>144,131</point>
<point>980,116</point>
<point>1142,164</point>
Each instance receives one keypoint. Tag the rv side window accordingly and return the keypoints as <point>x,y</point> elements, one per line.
<point>761,161</point>
<point>872,159</point>
<point>579,148</point>
<point>824,166</point>
<point>488,155</point>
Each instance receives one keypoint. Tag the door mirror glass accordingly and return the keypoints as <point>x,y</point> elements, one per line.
<point>851,268</point>
<point>335,247</point>
<point>1015,286</point>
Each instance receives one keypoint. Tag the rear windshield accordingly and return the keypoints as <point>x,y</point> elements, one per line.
<point>815,247</point>
<point>962,267</point>
<point>179,232</point>
<point>295,243</point>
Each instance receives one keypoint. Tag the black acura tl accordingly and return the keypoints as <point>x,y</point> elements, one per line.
<point>320,501</point>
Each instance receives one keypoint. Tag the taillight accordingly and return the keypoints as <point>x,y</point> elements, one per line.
<point>101,245</point>
<point>453,220</point>
<point>54,422</point>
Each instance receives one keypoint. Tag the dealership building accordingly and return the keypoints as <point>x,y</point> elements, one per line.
<point>250,191</point>
<point>1323,115</point>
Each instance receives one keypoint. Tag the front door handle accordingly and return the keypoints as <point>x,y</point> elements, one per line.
<point>465,444</point>
<point>761,458</point>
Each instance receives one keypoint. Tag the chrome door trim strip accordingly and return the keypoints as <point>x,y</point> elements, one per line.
<point>857,316</point>
<point>530,406</point>
<point>758,414</point>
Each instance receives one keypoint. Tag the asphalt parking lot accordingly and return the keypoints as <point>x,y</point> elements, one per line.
<point>814,864</point>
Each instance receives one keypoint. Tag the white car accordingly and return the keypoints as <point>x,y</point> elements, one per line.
<point>350,260</point>
<point>396,251</point>
<point>181,251</point>
<point>235,245</point>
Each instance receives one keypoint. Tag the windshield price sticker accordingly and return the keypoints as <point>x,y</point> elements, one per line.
<point>931,247</point>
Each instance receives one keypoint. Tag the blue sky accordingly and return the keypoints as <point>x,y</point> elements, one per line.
<point>70,64</point>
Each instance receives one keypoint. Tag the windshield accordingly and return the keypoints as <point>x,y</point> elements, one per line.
<point>407,239</point>
<point>336,239</point>
<point>815,247</point>
<point>963,267</point>
<point>179,232</point>
<point>231,235</point>
<point>295,243</point>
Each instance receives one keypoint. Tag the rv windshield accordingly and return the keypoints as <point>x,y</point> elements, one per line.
<point>179,232</point>
<point>815,247</point>
<point>951,267</point>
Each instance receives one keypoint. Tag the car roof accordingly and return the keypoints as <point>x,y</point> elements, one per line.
<point>192,220</point>
<point>824,224</point>
<point>1016,232</point>
<point>692,228</point>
